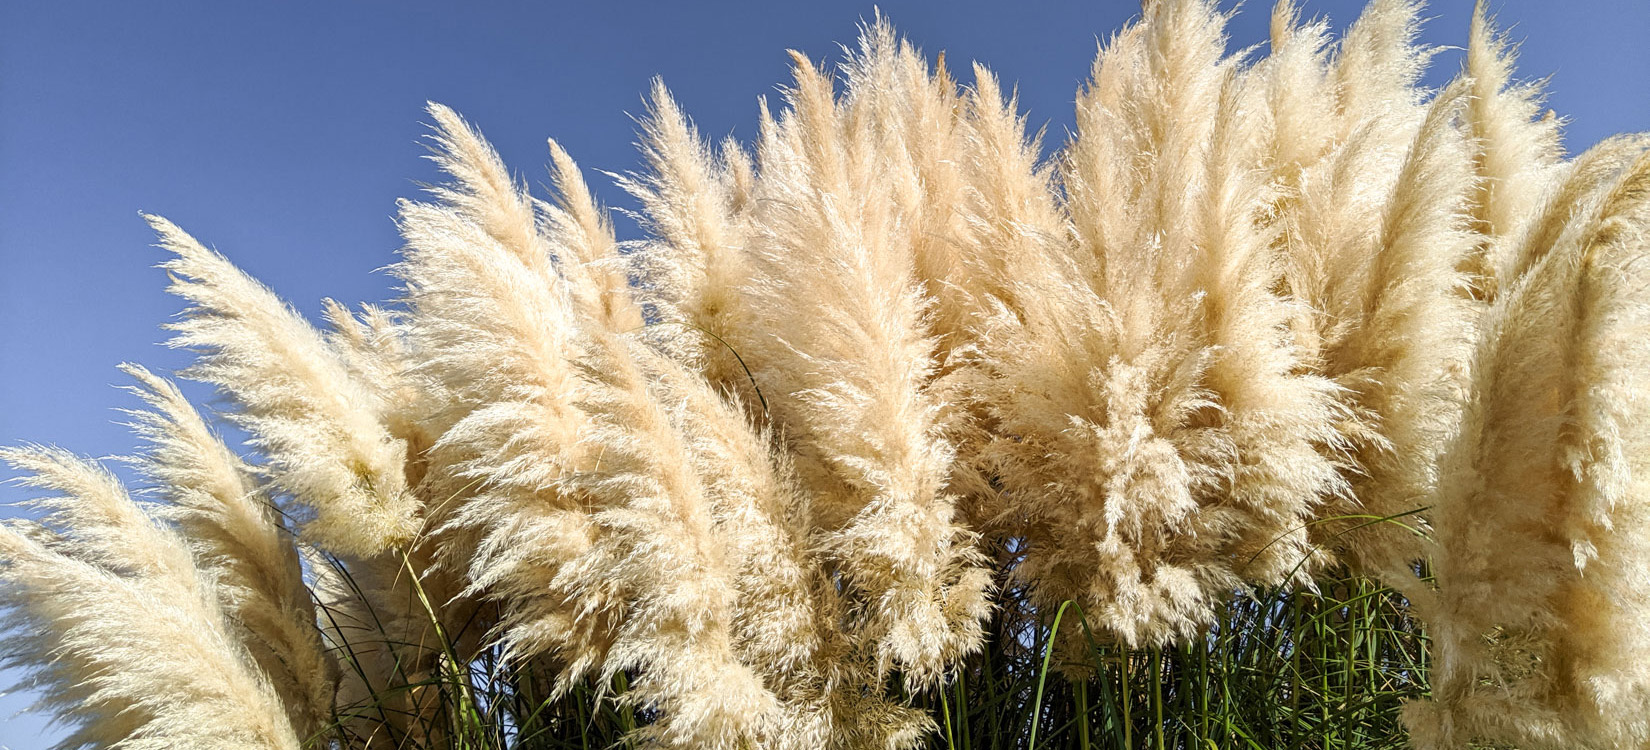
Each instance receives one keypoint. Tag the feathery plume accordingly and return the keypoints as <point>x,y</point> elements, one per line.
<point>237,537</point>
<point>1155,438</point>
<point>695,265</point>
<point>1540,527</point>
<point>846,373</point>
<point>123,635</point>
<point>1518,151</point>
<point>1392,329</point>
<point>319,428</point>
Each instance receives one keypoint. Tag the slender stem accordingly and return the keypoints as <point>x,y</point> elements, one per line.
<point>1128,722</point>
<point>1083,714</point>
<point>1157,696</point>
<point>1048,650</point>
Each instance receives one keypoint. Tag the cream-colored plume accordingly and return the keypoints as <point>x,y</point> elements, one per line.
<point>1156,440</point>
<point>1541,520</point>
<point>238,537</point>
<point>320,429</point>
<point>846,364</point>
<point>126,639</point>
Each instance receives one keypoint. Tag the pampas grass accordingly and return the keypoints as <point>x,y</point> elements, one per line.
<point>1542,663</point>
<point>1286,404</point>
<point>118,625</point>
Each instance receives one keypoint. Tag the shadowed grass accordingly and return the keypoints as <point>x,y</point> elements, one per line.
<point>1282,670</point>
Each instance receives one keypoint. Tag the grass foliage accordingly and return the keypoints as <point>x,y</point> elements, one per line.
<point>1285,669</point>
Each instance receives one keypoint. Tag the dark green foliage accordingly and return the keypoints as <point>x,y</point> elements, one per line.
<point>1284,670</point>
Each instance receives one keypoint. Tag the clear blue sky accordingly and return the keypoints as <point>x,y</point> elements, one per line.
<point>282,133</point>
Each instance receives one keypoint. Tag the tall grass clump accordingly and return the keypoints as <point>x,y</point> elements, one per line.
<point>1287,404</point>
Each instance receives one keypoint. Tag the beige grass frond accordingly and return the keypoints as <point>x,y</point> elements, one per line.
<point>1157,440</point>
<point>1539,522</point>
<point>131,647</point>
<point>846,369</point>
<point>319,428</point>
<point>238,537</point>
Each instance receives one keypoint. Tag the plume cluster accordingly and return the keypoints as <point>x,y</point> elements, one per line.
<point>775,466</point>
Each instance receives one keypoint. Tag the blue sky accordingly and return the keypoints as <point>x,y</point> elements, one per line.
<point>282,133</point>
